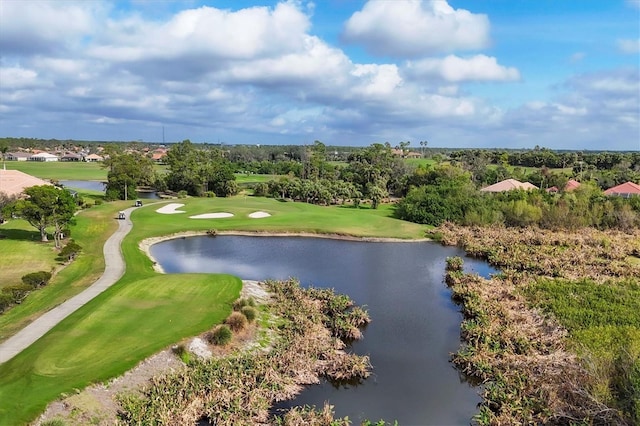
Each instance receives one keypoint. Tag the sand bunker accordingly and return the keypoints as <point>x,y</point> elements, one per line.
<point>171,209</point>
<point>211,216</point>
<point>258,215</point>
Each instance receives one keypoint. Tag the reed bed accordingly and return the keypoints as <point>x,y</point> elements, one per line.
<point>241,388</point>
<point>523,354</point>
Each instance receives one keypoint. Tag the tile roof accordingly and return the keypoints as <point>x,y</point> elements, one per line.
<point>14,182</point>
<point>624,189</point>
<point>508,185</point>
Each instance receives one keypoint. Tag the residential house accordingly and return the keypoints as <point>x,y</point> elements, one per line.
<point>71,156</point>
<point>625,190</point>
<point>570,186</point>
<point>14,182</point>
<point>44,156</point>
<point>93,158</point>
<point>508,185</point>
<point>17,156</point>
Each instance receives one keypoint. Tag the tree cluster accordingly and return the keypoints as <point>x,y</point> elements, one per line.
<point>447,193</point>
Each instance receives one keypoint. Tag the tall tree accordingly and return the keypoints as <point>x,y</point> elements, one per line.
<point>126,172</point>
<point>47,206</point>
<point>199,170</point>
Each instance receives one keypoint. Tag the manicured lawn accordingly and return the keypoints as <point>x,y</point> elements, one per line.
<point>22,252</point>
<point>60,170</point>
<point>110,335</point>
<point>93,227</point>
<point>285,217</point>
<point>244,179</point>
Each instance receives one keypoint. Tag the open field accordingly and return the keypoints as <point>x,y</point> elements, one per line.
<point>146,311</point>
<point>22,253</point>
<point>60,170</point>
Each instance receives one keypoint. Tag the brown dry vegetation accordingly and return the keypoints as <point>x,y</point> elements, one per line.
<point>524,357</point>
<point>241,387</point>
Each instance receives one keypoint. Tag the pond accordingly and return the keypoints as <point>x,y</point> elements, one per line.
<point>414,328</point>
<point>94,185</point>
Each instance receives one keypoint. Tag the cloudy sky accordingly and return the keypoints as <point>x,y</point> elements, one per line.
<point>457,73</point>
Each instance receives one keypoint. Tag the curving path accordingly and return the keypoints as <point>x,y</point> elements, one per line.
<point>114,269</point>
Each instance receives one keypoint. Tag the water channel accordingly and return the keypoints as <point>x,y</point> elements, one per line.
<point>95,185</point>
<point>414,328</point>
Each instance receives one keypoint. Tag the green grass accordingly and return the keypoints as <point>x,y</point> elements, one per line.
<point>425,162</point>
<point>93,227</point>
<point>245,179</point>
<point>22,252</point>
<point>599,317</point>
<point>286,217</point>
<point>145,311</point>
<point>110,335</point>
<point>60,170</point>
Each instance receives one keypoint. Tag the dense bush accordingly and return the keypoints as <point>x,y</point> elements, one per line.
<point>221,335</point>
<point>236,321</point>
<point>249,312</point>
<point>70,251</point>
<point>37,279</point>
<point>242,302</point>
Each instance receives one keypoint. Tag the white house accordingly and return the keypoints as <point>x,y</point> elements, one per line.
<point>44,156</point>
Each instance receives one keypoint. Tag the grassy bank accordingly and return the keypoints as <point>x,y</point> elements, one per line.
<point>110,335</point>
<point>556,335</point>
<point>93,227</point>
<point>139,315</point>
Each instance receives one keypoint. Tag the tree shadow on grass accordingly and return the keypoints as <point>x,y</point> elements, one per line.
<point>19,235</point>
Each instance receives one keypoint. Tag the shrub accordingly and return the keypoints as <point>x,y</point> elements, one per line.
<point>182,352</point>
<point>236,321</point>
<point>249,312</point>
<point>37,279</point>
<point>182,194</point>
<point>221,335</point>
<point>241,303</point>
<point>70,251</point>
<point>261,189</point>
<point>454,264</point>
<point>97,201</point>
<point>17,291</point>
<point>210,194</point>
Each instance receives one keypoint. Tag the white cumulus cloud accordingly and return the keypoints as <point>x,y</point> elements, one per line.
<point>456,69</point>
<point>415,28</point>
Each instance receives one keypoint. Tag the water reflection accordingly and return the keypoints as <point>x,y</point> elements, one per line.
<point>94,185</point>
<point>414,328</point>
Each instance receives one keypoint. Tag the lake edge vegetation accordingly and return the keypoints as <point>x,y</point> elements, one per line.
<point>542,358</point>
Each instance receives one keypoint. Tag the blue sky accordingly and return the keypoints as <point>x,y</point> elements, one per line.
<point>457,73</point>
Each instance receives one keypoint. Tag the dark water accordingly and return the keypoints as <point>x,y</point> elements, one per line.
<point>94,185</point>
<point>414,327</point>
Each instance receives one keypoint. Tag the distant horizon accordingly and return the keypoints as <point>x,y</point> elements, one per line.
<point>393,145</point>
<point>456,73</point>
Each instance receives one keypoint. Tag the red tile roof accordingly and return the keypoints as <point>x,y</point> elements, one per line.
<point>627,188</point>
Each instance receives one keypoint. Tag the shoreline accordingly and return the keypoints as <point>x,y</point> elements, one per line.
<point>145,244</point>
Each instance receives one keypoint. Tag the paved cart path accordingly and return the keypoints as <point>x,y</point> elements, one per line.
<point>114,269</point>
